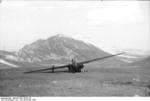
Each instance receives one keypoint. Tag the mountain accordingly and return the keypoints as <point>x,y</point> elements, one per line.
<point>58,49</point>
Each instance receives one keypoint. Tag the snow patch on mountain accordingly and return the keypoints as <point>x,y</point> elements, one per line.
<point>7,63</point>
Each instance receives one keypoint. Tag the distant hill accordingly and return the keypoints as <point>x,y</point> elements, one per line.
<point>6,64</point>
<point>3,53</point>
<point>144,63</point>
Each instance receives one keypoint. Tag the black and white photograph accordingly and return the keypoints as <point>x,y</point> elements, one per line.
<point>74,48</point>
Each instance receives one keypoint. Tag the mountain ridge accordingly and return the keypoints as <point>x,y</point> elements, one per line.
<point>57,46</point>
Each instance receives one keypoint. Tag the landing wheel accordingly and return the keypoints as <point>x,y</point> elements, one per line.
<point>74,69</point>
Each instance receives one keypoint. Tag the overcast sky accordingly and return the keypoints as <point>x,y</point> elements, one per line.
<point>111,25</point>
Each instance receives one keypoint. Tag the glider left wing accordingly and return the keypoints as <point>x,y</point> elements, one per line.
<point>53,67</point>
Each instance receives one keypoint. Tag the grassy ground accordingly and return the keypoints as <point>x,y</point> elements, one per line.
<point>123,81</point>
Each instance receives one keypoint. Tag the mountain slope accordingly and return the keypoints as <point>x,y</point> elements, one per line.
<point>61,49</point>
